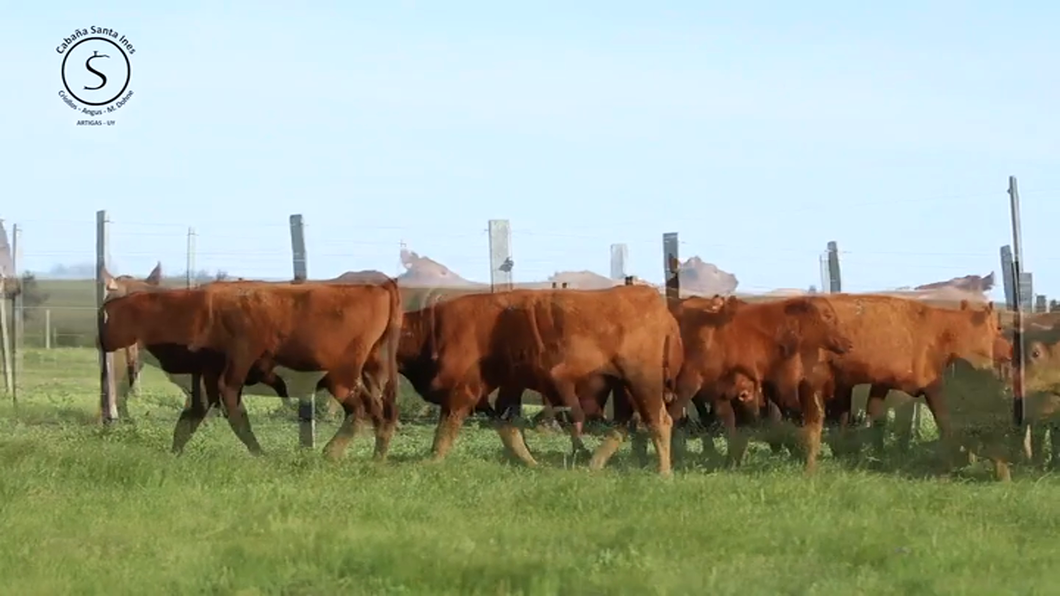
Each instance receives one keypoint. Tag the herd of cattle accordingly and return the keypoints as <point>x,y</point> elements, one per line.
<point>784,368</point>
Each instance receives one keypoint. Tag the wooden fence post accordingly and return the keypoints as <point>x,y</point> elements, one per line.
<point>5,337</point>
<point>47,329</point>
<point>671,265</point>
<point>501,263</point>
<point>1018,411</point>
<point>189,276</point>
<point>835,279</point>
<point>306,405</point>
<point>18,313</point>
<point>108,397</point>
<point>619,255</point>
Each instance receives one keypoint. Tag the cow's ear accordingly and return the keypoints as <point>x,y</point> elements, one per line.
<point>717,303</point>
<point>155,277</point>
<point>110,284</point>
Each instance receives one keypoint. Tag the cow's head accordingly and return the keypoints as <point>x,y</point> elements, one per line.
<point>123,285</point>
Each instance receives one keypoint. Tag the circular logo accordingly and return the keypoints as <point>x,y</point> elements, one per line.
<point>96,71</point>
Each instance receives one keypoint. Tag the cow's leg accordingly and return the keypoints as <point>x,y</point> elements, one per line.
<point>639,436</point>
<point>773,423</point>
<point>457,405</point>
<point>876,408</point>
<point>354,407</point>
<point>349,391</point>
<point>132,369</point>
<point>230,388</point>
<point>947,447</point>
<point>194,413</point>
<point>385,419</point>
<point>736,438</point>
<point>509,404</point>
<point>623,413</point>
<point>390,422</point>
<point>648,398</point>
<point>564,383</point>
<point>707,424</point>
<point>812,423</point>
<point>840,409</point>
<point>381,405</point>
<point>904,414</point>
<point>611,443</point>
<point>687,391</point>
<point>1053,428</point>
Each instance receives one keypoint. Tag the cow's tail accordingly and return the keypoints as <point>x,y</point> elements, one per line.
<point>673,357</point>
<point>393,340</point>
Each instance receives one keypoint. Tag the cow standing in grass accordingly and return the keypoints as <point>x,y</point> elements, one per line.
<point>905,345</point>
<point>736,351</point>
<point>303,327</point>
<point>173,359</point>
<point>457,352</point>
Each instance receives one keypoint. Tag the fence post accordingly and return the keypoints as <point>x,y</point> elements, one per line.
<point>835,280</point>
<point>1006,277</point>
<point>501,263</point>
<point>189,280</point>
<point>1018,411</point>
<point>5,337</point>
<point>619,255</point>
<point>108,397</point>
<point>18,313</point>
<point>306,405</point>
<point>47,329</point>
<point>671,266</point>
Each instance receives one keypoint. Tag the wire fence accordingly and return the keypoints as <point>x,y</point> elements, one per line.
<point>58,309</point>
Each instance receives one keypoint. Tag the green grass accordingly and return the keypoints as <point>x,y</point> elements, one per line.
<point>88,510</point>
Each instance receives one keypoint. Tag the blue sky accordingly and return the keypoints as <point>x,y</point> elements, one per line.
<point>758,133</point>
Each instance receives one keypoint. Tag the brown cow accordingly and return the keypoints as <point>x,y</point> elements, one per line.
<point>775,344</point>
<point>905,345</point>
<point>174,359</point>
<point>121,286</point>
<point>304,327</point>
<point>457,352</point>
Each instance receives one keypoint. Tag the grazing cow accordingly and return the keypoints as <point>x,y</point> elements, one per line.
<point>304,327</point>
<point>773,345</point>
<point>905,345</point>
<point>457,352</point>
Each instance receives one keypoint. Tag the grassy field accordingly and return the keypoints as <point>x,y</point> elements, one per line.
<point>88,510</point>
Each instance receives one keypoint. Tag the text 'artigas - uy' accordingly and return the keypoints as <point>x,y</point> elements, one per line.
<point>96,70</point>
